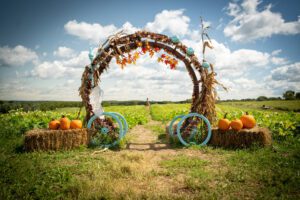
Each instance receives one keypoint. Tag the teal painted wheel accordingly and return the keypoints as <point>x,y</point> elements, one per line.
<point>194,129</point>
<point>171,130</point>
<point>124,122</point>
<point>109,131</point>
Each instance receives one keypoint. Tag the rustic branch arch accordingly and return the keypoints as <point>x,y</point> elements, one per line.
<point>203,96</point>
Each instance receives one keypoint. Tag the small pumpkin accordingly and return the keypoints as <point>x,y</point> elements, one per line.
<point>54,124</point>
<point>224,124</point>
<point>236,124</point>
<point>64,123</point>
<point>76,124</point>
<point>248,120</point>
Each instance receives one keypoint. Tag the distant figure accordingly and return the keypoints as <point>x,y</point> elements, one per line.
<point>147,102</point>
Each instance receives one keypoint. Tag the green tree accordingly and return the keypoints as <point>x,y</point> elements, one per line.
<point>298,95</point>
<point>289,95</point>
<point>262,98</point>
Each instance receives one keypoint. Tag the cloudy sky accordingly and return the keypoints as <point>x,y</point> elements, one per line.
<point>44,47</point>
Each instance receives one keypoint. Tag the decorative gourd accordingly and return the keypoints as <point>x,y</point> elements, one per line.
<point>205,65</point>
<point>236,124</point>
<point>224,124</point>
<point>64,123</point>
<point>190,51</point>
<point>248,121</point>
<point>175,39</point>
<point>54,124</point>
<point>76,124</point>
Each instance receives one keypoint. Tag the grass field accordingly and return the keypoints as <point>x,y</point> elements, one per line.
<point>171,173</point>
<point>286,105</point>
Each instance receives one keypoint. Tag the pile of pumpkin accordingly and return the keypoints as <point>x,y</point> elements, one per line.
<point>246,121</point>
<point>64,124</point>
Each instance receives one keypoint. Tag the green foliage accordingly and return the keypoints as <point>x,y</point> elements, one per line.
<point>206,172</point>
<point>277,179</point>
<point>167,112</point>
<point>281,124</point>
<point>276,105</point>
<point>289,95</point>
<point>17,122</point>
<point>262,98</point>
<point>134,115</point>
<point>6,106</point>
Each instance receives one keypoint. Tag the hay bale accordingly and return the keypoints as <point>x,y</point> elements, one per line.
<point>45,139</point>
<point>241,139</point>
<point>236,139</point>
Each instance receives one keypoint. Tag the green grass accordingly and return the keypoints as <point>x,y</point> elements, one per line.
<point>183,173</point>
<point>167,112</point>
<point>286,105</point>
<point>134,115</point>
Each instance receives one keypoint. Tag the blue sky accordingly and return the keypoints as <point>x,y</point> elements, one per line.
<point>44,46</point>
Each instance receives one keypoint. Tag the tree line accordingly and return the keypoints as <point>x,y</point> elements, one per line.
<point>6,106</point>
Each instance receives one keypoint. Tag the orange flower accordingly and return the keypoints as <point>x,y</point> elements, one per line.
<point>136,55</point>
<point>151,53</point>
<point>139,44</point>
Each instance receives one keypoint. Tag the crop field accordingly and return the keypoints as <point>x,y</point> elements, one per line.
<point>288,105</point>
<point>171,173</point>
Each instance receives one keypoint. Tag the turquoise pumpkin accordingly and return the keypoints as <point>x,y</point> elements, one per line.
<point>190,51</point>
<point>205,65</point>
<point>175,39</point>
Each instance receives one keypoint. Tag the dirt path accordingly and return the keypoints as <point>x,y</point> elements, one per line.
<point>143,138</point>
<point>141,163</point>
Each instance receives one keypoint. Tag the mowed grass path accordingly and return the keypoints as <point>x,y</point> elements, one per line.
<point>162,173</point>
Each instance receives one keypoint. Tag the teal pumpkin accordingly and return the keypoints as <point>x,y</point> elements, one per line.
<point>205,65</point>
<point>175,39</point>
<point>190,51</point>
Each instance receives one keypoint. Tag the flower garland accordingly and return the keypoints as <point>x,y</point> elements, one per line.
<point>131,58</point>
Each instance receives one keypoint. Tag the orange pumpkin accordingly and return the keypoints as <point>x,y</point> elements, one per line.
<point>248,121</point>
<point>64,123</point>
<point>76,124</point>
<point>54,124</point>
<point>224,124</point>
<point>236,124</point>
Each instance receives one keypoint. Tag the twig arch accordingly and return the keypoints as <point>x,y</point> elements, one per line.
<point>203,96</point>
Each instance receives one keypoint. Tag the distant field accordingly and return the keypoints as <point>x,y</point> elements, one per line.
<point>287,105</point>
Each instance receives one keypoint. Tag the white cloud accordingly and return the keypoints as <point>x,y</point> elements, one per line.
<point>16,56</point>
<point>170,20</point>
<point>129,28</point>
<point>289,73</point>
<point>278,60</point>
<point>155,80</point>
<point>91,32</point>
<point>173,21</point>
<point>59,68</point>
<point>96,33</point>
<point>64,52</point>
<point>276,52</point>
<point>250,22</point>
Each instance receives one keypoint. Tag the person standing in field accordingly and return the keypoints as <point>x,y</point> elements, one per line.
<point>147,103</point>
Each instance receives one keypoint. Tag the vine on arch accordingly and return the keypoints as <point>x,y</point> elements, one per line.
<point>203,96</point>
